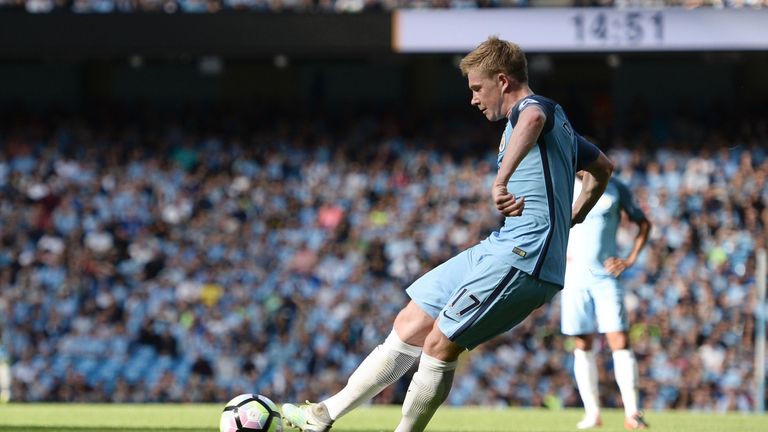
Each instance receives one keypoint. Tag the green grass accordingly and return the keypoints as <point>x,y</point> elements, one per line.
<point>204,418</point>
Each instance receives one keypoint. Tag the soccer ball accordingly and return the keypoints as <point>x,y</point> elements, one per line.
<point>250,413</point>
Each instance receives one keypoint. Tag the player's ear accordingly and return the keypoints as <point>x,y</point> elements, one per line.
<point>503,81</point>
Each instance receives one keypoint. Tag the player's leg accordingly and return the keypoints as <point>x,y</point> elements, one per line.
<point>393,358</point>
<point>386,364</point>
<point>5,381</point>
<point>383,366</point>
<point>431,383</point>
<point>493,298</point>
<point>585,372</point>
<point>577,318</point>
<point>625,371</point>
<point>612,320</point>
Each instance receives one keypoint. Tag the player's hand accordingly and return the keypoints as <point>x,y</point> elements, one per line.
<point>506,203</point>
<point>616,266</point>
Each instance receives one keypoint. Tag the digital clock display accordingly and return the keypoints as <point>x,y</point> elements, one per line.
<point>582,29</point>
<point>619,27</point>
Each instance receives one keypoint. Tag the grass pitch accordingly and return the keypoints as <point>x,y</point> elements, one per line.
<point>204,418</point>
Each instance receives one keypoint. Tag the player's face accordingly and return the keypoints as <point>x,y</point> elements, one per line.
<point>486,94</point>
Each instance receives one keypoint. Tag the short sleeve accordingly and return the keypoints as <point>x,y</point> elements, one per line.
<point>586,152</point>
<point>545,105</point>
<point>628,203</point>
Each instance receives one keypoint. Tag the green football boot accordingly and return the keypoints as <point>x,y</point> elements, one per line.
<point>310,417</point>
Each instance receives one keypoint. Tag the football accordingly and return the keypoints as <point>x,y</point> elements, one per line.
<point>250,413</point>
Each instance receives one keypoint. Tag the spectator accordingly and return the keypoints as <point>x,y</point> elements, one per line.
<point>132,278</point>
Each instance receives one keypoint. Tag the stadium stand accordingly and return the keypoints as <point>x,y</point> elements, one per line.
<point>146,259</point>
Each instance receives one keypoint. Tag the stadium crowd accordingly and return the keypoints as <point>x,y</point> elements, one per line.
<point>339,6</point>
<point>150,262</point>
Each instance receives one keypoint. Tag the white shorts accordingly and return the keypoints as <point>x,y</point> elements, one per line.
<point>592,304</point>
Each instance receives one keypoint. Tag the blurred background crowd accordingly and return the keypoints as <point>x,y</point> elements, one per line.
<point>194,257</point>
<point>339,6</point>
<point>197,206</point>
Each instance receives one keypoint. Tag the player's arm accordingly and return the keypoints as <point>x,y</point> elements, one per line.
<point>529,125</point>
<point>616,266</point>
<point>597,172</point>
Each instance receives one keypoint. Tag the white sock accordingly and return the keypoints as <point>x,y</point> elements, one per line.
<point>585,370</point>
<point>428,390</point>
<point>383,366</point>
<point>5,382</point>
<point>625,368</point>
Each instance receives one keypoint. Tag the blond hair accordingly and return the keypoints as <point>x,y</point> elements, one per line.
<point>497,56</point>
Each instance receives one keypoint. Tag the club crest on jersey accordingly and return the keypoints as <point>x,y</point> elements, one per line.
<point>503,143</point>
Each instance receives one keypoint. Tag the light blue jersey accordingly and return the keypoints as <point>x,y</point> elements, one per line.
<point>536,241</point>
<point>594,240</point>
<point>593,299</point>
<point>492,286</point>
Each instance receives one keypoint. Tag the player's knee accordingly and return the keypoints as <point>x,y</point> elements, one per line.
<point>617,341</point>
<point>583,342</point>
<point>438,345</point>
<point>412,325</point>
